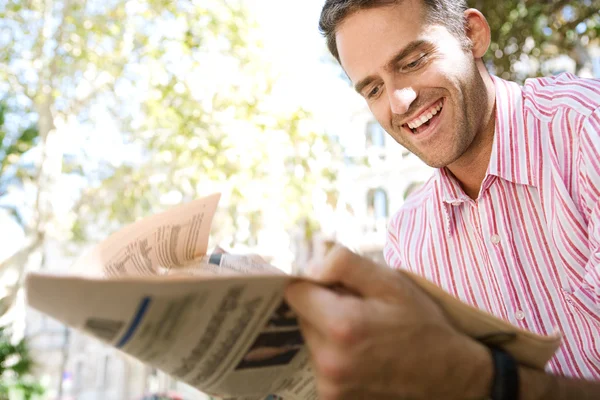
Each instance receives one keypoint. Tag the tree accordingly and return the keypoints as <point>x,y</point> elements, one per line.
<point>186,84</point>
<point>17,137</point>
<point>212,122</point>
<point>56,61</point>
<point>16,368</point>
<point>526,33</point>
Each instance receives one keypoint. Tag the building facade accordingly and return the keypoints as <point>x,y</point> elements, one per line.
<point>377,176</point>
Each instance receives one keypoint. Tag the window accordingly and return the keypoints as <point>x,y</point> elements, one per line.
<point>375,135</point>
<point>412,187</point>
<point>596,66</point>
<point>377,204</point>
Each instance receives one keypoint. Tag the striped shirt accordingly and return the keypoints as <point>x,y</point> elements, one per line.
<point>528,249</point>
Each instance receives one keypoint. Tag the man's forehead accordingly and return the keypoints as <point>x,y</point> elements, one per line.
<point>368,38</point>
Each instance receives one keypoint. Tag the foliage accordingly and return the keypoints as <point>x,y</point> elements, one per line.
<point>526,33</point>
<point>187,85</point>
<point>16,367</point>
<point>210,122</point>
<point>15,141</point>
<point>55,64</point>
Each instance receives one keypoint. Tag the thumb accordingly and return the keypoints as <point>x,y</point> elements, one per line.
<point>358,274</point>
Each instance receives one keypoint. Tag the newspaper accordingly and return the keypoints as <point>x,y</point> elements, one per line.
<point>216,321</point>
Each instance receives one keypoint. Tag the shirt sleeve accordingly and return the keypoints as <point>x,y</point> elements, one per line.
<point>589,293</point>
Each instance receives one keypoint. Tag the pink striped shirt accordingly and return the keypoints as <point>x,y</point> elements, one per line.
<point>528,249</point>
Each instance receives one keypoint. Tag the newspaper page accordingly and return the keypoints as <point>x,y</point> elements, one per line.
<point>154,245</point>
<point>158,296</point>
<point>227,336</point>
<point>219,263</point>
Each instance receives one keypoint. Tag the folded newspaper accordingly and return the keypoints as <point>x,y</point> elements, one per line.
<point>215,321</point>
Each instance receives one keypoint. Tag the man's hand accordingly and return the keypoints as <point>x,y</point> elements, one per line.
<point>376,335</point>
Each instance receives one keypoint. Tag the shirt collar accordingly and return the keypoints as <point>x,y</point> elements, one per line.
<point>512,157</point>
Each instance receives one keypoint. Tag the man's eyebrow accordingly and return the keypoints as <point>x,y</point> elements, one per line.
<point>399,56</point>
<point>405,52</point>
<point>364,82</point>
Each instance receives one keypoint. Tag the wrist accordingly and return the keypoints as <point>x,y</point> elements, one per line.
<point>471,374</point>
<point>479,372</point>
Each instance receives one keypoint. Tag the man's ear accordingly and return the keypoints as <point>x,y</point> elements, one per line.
<point>478,32</point>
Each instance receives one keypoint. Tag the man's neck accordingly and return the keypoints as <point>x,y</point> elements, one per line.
<point>470,170</point>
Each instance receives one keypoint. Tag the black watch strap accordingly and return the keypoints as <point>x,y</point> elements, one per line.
<point>505,385</point>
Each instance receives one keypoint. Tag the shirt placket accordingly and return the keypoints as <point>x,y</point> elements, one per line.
<point>494,240</point>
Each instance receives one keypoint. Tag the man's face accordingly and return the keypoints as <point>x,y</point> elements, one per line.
<point>418,80</point>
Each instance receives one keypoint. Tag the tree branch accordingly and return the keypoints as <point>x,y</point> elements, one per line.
<point>20,257</point>
<point>590,12</point>
<point>17,86</point>
<point>557,6</point>
<point>58,39</point>
<point>78,105</point>
<point>20,260</point>
<point>38,46</point>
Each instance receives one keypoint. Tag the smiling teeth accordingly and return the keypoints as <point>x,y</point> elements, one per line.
<point>425,117</point>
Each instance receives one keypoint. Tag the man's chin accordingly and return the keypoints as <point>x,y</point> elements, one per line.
<point>437,164</point>
<point>434,162</point>
<point>438,158</point>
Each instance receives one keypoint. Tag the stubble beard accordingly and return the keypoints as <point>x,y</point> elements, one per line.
<point>441,154</point>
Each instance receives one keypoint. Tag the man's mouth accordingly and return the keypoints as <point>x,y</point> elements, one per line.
<point>422,122</point>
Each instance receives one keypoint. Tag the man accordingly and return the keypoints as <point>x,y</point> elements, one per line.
<point>510,222</point>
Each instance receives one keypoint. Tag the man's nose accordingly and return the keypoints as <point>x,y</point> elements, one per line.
<point>401,99</point>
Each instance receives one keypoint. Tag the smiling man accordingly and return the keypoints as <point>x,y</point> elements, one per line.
<point>421,83</point>
<point>509,223</point>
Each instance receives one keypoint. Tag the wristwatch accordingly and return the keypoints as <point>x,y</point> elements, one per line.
<point>505,383</point>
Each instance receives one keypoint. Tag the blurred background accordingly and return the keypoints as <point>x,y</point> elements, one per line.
<point>112,110</point>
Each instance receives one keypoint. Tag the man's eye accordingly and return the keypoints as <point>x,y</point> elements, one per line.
<point>415,63</point>
<point>373,92</point>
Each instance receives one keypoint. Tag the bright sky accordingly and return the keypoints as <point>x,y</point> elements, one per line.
<point>297,51</point>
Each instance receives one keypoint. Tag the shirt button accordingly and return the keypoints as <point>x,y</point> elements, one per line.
<point>495,239</point>
<point>520,315</point>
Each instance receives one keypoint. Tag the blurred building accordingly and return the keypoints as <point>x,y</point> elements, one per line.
<point>377,176</point>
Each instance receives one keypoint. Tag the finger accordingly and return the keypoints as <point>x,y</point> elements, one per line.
<point>326,310</point>
<point>312,337</point>
<point>315,343</point>
<point>359,274</point>
<point>328,359</point>
<point>315,264</point>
